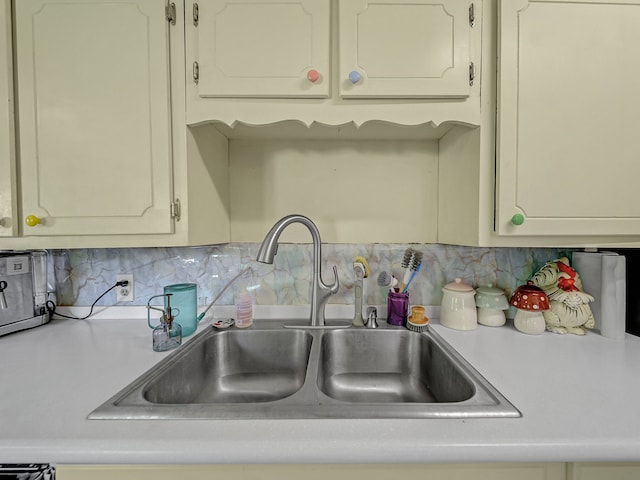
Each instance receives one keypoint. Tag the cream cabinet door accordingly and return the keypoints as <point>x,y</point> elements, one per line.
<point>568,149</point>
<point>94,110</point>
<point>263,48</point>
<point>8,210</point>
<point>608,471</point>
<point>400,48</point>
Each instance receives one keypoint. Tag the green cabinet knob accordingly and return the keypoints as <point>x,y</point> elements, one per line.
<point>517,219</point>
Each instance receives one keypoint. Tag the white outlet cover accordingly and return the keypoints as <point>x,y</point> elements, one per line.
<point>120,296</point>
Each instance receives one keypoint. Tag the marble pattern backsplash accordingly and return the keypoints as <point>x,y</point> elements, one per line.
<point>82,275</point>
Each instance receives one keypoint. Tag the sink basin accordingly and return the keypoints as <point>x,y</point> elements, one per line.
<point>383,366</point>
<point>269,371</point>
<point>235,367</point>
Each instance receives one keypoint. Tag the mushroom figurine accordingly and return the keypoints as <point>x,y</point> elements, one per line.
<point>530,301</point>
<point>491,303</point>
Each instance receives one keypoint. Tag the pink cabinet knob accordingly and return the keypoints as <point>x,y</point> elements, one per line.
<point>313,76</point>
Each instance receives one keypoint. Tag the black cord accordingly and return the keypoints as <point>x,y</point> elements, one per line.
<point>51,307</point>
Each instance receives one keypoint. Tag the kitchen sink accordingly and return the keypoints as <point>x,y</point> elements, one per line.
<point>269,371</point>
<point>235,367</point>
<point>388,366</point>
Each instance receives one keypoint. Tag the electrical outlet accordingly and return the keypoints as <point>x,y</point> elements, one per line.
<point>124,294</point>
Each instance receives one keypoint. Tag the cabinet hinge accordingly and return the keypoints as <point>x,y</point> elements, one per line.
<point>196,14</point>
<point>472,73</point>
<point>175,209</point>
<point>196,72</point>
<point>472,15</point>
<point>170,10</point>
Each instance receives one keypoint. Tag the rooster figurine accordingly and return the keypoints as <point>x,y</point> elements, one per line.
<point>570,311</point>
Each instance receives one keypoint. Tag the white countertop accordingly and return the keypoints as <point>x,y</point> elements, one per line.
<point>579,397</point>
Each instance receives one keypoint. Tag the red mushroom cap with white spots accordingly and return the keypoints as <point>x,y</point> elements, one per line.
<point>529,297</point>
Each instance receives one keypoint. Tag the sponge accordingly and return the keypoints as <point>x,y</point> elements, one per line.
<point>362,261</point>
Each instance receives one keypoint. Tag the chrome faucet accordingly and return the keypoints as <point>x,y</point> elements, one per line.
<point>372,318</point>
<point>320,292</point>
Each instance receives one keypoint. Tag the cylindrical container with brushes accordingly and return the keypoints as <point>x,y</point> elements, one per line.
<point>361,270</point>
<point>397,307</point>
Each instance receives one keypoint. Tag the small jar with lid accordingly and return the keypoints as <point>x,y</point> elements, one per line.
<point>458,310</point>
<point>491,303</point>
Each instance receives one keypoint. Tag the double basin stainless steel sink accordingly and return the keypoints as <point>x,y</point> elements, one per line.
<point>269,371</point>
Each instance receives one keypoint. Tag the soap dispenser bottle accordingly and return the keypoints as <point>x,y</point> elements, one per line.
<point>167,335</point>
<point>244,309</point>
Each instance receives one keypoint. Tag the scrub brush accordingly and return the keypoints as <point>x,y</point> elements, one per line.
<point>410,261</point>
<point>417,327</point>
<point>413,275</point>
<point>417,321</point>
<point>361,270</point>
<point>385,279</point>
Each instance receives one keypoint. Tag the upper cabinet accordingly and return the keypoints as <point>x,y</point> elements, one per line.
<point>94,122</point>
<point>183,122</point>
<point>400,49</point>
<point>389,48</point>
<point>104,158</point>
<point>568,147</point>
<point>333,61</point>
<point>263,48</point>
<point>8,203</point>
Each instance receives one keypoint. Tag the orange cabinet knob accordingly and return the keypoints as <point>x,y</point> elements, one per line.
<point>32,220</point>
<point>313,76</point>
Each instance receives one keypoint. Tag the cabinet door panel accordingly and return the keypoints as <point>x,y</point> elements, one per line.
<point>8,209</point>
<point>568,146</point>
<point>597,471</point>
<point>263,48</point>
<point>404,49</point>
<point>94,116</point>
<point>489,471</point>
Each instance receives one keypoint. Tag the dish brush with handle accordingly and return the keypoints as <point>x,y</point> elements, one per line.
<point>410,261</point>
<point>387,280</point>
<point>413,275</point>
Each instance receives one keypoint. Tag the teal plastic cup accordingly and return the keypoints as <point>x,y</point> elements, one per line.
<point>184,305</point>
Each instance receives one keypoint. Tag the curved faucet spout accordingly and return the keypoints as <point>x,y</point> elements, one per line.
<point>320,292</point>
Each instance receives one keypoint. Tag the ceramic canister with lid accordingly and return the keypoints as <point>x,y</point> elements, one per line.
<point>491,303</point>
<point>458,310</point>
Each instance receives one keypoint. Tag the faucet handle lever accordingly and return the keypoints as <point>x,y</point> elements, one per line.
<point>3,299</point>
<point>336,281</point>
<point>372,318</point>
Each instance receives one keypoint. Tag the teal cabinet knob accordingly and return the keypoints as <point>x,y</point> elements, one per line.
<point>517,219</point>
